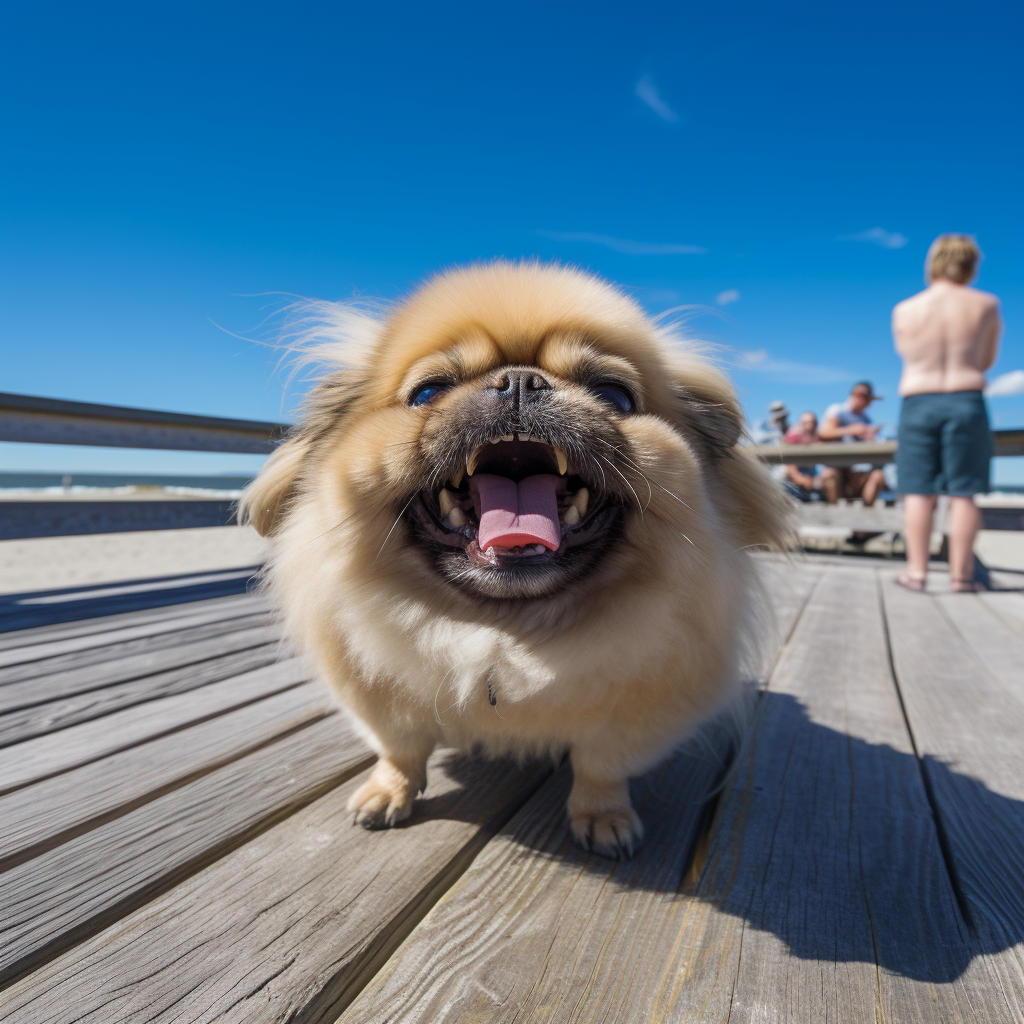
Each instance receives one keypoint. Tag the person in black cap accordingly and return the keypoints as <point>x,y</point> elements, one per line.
<point>849,421</point>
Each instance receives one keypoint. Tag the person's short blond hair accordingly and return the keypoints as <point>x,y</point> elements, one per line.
<point>952,257</point>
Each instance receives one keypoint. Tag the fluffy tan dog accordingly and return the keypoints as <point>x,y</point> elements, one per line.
<point>518,522</point>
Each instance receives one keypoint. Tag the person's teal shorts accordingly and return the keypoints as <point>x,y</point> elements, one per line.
<point>945,444</point>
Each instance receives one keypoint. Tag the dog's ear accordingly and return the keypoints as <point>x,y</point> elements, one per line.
<point>710,415</point>
<point>707,410</point>
<point>716,425</point>
<point>267,499</point>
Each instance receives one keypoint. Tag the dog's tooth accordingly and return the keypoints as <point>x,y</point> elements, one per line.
<point>457,477</point>
<point>563,462</point>
<point>495,440</point>
<point>446,500</point>
<point>471,463</point>
<point>572,516</point>
<point>508,437</point>
<point>580,500</point>
<point>457,517</point>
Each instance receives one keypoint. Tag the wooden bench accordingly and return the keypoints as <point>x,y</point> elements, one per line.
<point>174,844</point>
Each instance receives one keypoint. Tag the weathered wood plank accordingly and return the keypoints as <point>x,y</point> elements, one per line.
<point>824,895</point>
<point>70,681</point>
<point>787,584</point>
<point>38,817</point>
<point>288,926</point>
<point>49,755</point>
<point>84,628</point>
<point>992,639</point>
<point>140,640</point>
<point>1009,607</point>
<point>968,723</point>
<point>56,899</point>
<point>538,930</point>
<point>56,715</point>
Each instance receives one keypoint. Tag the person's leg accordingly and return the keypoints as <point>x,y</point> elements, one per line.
<point>873,487</point>
<point>917,510</point>
<point>830,481</point>
<point>966,454</point>
<point>853,483</point>
<point>964,520</point>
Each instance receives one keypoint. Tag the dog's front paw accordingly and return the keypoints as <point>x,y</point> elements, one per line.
<point>386,798</point>
<point>610,833</point>
<point>602,819</point>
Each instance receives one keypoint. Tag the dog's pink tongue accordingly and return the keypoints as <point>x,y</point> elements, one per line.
<point>514,515</point>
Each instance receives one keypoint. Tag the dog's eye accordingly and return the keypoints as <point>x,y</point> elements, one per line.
<point>615,395</point>
<point>426,393</point>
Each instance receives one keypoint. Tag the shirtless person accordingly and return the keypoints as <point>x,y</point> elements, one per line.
<point>947,336</point>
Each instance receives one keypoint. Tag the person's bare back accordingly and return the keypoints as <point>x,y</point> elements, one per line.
<point>947,336</point>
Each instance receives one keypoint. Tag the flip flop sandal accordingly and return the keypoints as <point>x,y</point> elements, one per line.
<point>908,582</point>
<point>962,586</point>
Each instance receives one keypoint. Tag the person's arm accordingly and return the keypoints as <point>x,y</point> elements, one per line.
<point>896,331</point>
<point>831,431</point>
<point>994,328</point>
<point>802,479</point>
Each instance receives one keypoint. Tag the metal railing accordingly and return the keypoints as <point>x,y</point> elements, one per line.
<point>27,418</point>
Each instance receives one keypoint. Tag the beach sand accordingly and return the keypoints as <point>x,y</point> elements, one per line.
<point>51,563</point>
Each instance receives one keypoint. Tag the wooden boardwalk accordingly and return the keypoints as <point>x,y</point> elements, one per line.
<point>174,844</point>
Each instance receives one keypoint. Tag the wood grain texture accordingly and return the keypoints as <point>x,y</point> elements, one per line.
<point>967,724</point>
<point>40,816</point>
<point>538,930</point>
<point>68,681</point>
<point>287,926</point>
<point>56,715</point>
<point>824,895</point>
<point>83,628</point>
<point>1009,607</point>
<point>64,657</point>
<point>49,755</point>
<point>990,637</point>
<point>67,893</point>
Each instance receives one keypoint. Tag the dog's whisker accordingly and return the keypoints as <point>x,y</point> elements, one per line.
<point>643,476</point>
<point>649,482</point>
<point>444,679</point>
<point>628,484</point>
<point>394,524</point>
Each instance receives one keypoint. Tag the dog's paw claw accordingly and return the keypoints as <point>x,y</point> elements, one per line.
<point>377,806</point>
<point>612,833</point>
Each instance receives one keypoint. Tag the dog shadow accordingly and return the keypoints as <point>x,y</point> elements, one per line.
<point>843,849</point>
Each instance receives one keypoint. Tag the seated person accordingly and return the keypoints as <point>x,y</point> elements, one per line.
<point>810,482</point>
<point>849,421</point>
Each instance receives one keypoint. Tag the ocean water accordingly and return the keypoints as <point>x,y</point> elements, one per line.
<point>48,481</point>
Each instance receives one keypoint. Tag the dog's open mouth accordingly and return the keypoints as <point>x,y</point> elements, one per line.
<point>518,507</point>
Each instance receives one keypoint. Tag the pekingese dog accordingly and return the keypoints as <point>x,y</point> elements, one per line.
<point>518,521</point>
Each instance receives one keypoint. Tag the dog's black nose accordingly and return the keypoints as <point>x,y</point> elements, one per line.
<point>519,384</point>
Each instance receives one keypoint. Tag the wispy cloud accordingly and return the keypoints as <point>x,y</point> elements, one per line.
<point>1006,384</point>
<point>791,371</point>
<point>729,295</point>
<point>878,236</point>
<point>626,245</point>
<point>647,92</point>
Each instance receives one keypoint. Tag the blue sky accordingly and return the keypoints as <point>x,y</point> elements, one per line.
<point>780,168</point>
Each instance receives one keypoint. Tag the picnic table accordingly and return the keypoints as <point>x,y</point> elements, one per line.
<point>174,843</point>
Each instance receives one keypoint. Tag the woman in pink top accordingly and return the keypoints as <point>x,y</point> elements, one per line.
<point>947,336</point>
